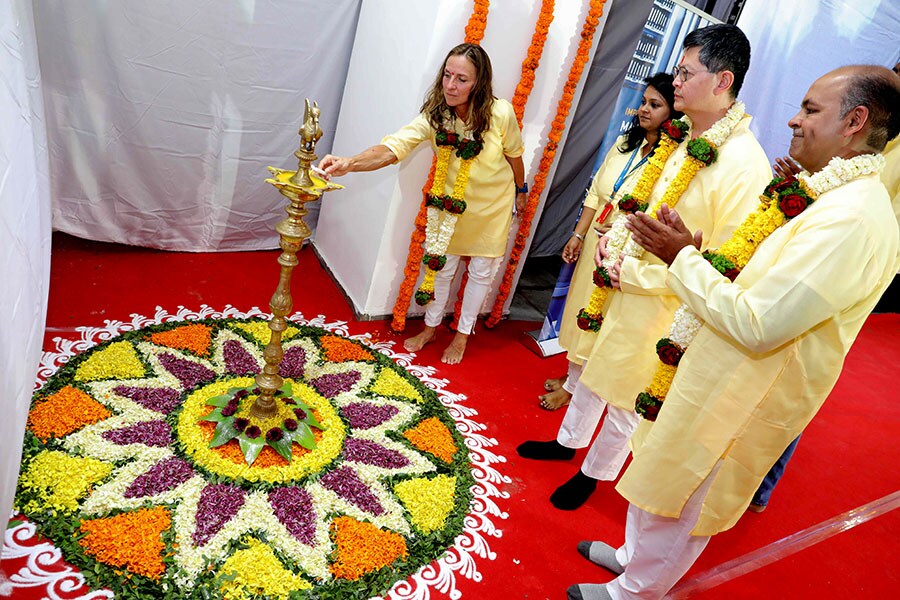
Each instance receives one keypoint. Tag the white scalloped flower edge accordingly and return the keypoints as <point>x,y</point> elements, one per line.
<point>460,558</point>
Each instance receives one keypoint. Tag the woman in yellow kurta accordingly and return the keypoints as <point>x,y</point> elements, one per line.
<point>623,164</point>
<point>479,175</point>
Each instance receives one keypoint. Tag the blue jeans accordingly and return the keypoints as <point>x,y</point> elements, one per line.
<point>761,497</point>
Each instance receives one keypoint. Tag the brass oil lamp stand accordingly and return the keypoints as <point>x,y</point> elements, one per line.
<point>299,187</point>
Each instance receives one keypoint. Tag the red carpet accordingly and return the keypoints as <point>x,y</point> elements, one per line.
<point>846,459</point>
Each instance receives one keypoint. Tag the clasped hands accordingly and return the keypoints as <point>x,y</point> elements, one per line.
<point>664,236</point>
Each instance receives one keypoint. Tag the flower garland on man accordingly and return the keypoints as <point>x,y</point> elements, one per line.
<point>469,208</point>
<point>713,198</point>
<point>773,341</point>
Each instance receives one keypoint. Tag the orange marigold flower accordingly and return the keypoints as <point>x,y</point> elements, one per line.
<point>196,338</point>
<point>64,412</point>
<point>431,435</point>
<point>363,548</point>
<point>339,349</point>
<point>131,540</point>
<point>581,56</point>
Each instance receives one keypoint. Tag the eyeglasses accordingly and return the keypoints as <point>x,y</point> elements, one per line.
<point>684,74</point>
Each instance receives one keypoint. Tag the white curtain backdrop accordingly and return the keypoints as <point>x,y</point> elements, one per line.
<point>163,115</point>
<point>798,42</point>
<point>24,234</point>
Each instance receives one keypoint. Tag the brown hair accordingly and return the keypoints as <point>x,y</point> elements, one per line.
<point>481,99</point>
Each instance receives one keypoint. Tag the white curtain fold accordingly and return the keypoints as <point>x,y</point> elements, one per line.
<point>24,234</point>
<point>164,115</point>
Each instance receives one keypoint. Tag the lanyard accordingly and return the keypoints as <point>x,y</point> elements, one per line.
<point>628,170</point>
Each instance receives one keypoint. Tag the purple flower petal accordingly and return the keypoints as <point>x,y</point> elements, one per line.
<point>238,360</point>
<point>218,505</point>
<point>344,482</point>
<point>149,433</point>
<point>188,372</point>
<point>163,476</point>
<point>293,507</point>
<point>362,415</point>
<point>161,400</point>
<point>293,363</point>
<point>332,384</point>
<point>372,453</point>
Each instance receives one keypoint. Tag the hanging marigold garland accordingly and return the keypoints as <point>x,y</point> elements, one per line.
<point>532,59</point>
<point>519,100</point>
<point>474,34</point>
<point>477,22</point>
<point>559,123</point>
<point>782,200</point>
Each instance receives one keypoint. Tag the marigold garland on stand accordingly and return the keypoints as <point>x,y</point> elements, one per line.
<point>782,200</point>
<point>540,179</point>
<point>701,152</point>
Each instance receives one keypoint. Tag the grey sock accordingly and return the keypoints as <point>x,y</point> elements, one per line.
<point>601,554</point>
<point>588,591</point>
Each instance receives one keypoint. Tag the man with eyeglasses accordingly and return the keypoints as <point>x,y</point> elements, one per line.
<point>717,198</point>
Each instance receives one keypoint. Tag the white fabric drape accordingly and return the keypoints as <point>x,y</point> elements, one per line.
<point>163,116</point>
<point>24,234</point>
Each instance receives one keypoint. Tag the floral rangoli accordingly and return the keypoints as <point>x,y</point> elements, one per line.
<point>117,470</point>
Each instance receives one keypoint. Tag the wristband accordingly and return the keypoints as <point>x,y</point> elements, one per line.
<point>523,189</point>
<point>579,236</point>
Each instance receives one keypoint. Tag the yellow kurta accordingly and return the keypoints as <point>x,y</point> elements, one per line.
<point>483,229</point>
<point>720,196</point>
<point>770,351</point>
<point>578,342</point>
<point>890,177</point>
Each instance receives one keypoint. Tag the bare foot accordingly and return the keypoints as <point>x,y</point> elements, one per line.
<point>454,352</point>
<point>417,342</point>
<point>554,383</point>
<point>555,400</point>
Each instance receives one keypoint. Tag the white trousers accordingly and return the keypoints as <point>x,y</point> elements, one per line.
<point>572,377</point>
<point>658,551</point>
<point>481,273</point>
<point>610,450</point>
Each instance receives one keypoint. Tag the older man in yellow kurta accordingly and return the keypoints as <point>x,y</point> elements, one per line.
<point>773,341</point>
<point>622,358</point>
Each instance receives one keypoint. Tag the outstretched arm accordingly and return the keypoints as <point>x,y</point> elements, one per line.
<point>370,159</point>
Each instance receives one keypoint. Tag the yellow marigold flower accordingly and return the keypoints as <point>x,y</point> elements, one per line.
<point>117,361</point>
<point>597,300</point>
<point>662,380</point>
<point>257,572</point>
<point>261,332</point>
<point>390,383</point>
<point>440,170</point>
<point>429,501</point>
<point>61,480</point>
<point>462,178</point>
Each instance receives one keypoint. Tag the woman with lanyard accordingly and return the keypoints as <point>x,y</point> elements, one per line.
<point>623,164</point>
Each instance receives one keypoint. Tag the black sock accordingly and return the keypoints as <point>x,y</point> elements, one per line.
<point>574,492</point>
<point>551,450</point>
